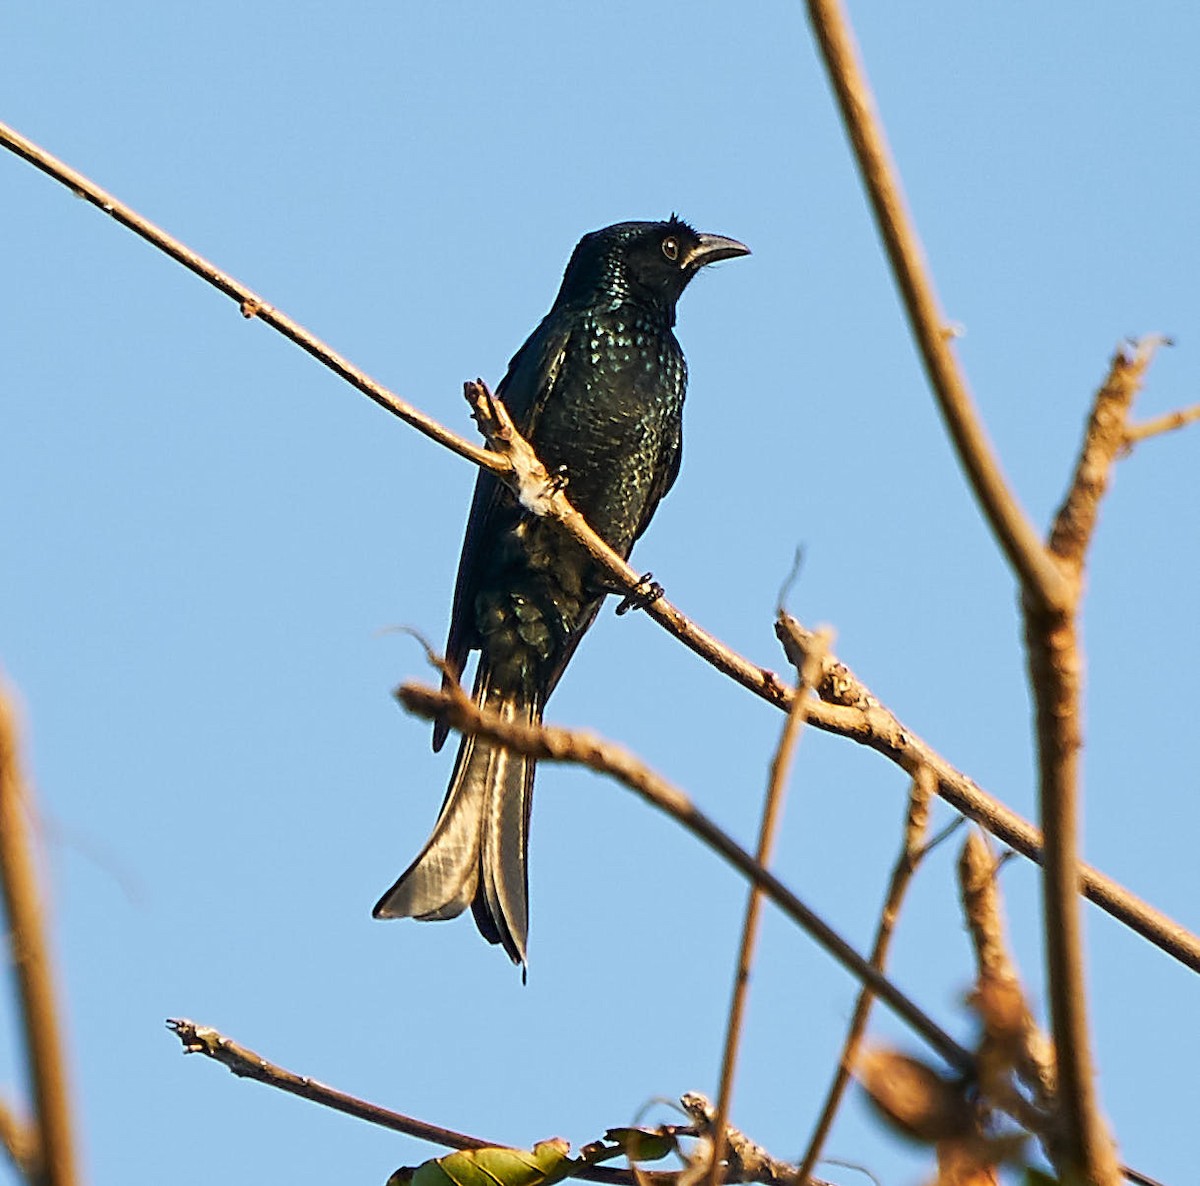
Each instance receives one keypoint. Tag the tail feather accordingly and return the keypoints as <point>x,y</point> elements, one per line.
<point>477,854</point>
<point>443,879</point>
<point>501,905</point>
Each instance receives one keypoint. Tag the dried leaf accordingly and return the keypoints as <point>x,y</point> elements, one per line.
<point>914,1098</point>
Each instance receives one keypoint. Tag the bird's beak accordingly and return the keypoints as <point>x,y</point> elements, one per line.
<point>711,248</point>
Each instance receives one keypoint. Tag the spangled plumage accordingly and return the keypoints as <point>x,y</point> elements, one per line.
<point>598,390</point>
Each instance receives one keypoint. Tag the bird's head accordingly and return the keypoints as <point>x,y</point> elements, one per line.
<point>650,262</point>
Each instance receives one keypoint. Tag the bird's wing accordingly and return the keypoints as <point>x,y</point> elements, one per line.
<point>525,388</point>
<point>665,474</point>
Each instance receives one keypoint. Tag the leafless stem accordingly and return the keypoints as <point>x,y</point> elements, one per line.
<point>1056,676</point>
<point>19,1140</point>
<point>31,960</point>
<point>1028,1051</point>
<point>250,303</point>
<point>1106,434</point>
<point>912,850</point>
<point>1050,589</point>
<point>1168,422</point>
<point>878,729</point>
<point>748,1160</point>
<point>859,715</point>
<point>1014,531</point>
<point>548,743</point>
<point>247,1064</point>
<point>807,675</point>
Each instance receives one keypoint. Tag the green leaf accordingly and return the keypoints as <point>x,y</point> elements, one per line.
<point>543,1165</point>
<point>642,1144</point>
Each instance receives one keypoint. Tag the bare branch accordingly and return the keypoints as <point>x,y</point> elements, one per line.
<point>1168,422</point>
<point>911,852</point>
<point>855,712</point>
<point>1055,659</point>
<point>250,303</point>
<point>748,1160</point>
<point>247,1064</point>
<point>31,961</point>
<point>19,1139</point>
<point>548,743</point>
<point>808,673</point>
<point>1106,435</point>
<point>1027,1050</point>
<point>1012,527</point>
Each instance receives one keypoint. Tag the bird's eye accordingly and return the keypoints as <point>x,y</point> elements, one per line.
<point>670,248</point>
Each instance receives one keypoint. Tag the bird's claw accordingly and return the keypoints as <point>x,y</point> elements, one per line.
<point>645,593</point>
<point>558,480</point>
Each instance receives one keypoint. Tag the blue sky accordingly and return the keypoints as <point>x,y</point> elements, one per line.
<point>206,539</point>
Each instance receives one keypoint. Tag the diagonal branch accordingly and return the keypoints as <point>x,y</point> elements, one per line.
<point>876,728</point>
<point>1012,527</point>
<point>809,672</point>
<point>858,714</point>
<point>247,1064</point>
<point>251,304</point>
<point>548,743</point>
<point>31,961</point>
<point>911,853</point>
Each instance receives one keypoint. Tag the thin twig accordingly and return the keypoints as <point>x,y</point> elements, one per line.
<point>1168,422</point>
<point>247,1064</point>
<point>1056,676</point>
<point>1106,434</point>
<point>979,891</point>
<point>911,852</point>
<point>19,1140</point>
<point>250,303</point>
<point>1013,528</point>
<point>807,675</point>
<point>879,730</point>
<point>861,717</point>
<point>548,743</point>
<point>31,960</point>
<point>748,1160</point>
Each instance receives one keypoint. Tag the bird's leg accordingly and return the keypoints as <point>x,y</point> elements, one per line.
<point>558,479</point>
<point>645,593</point>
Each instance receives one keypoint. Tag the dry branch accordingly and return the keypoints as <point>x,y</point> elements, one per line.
<point>55,1143</point>
<point>549,743</point>
<point>863,718</point>
<point>19,1140</point>
<point>808,672</point>
<point>1167,422</point>
<point>1027,1051</point>
<point>1014,531</point>
<point>1055,655</point>
<point>911,852</point>
<point>247,1064</point>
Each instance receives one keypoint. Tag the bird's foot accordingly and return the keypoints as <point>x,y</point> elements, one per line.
<point>645,593</point>
<point>558,480</point>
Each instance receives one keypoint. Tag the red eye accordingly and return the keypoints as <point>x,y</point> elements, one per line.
<point>670,248</point>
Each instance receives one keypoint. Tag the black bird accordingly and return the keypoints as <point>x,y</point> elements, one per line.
<point>598,390</point>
